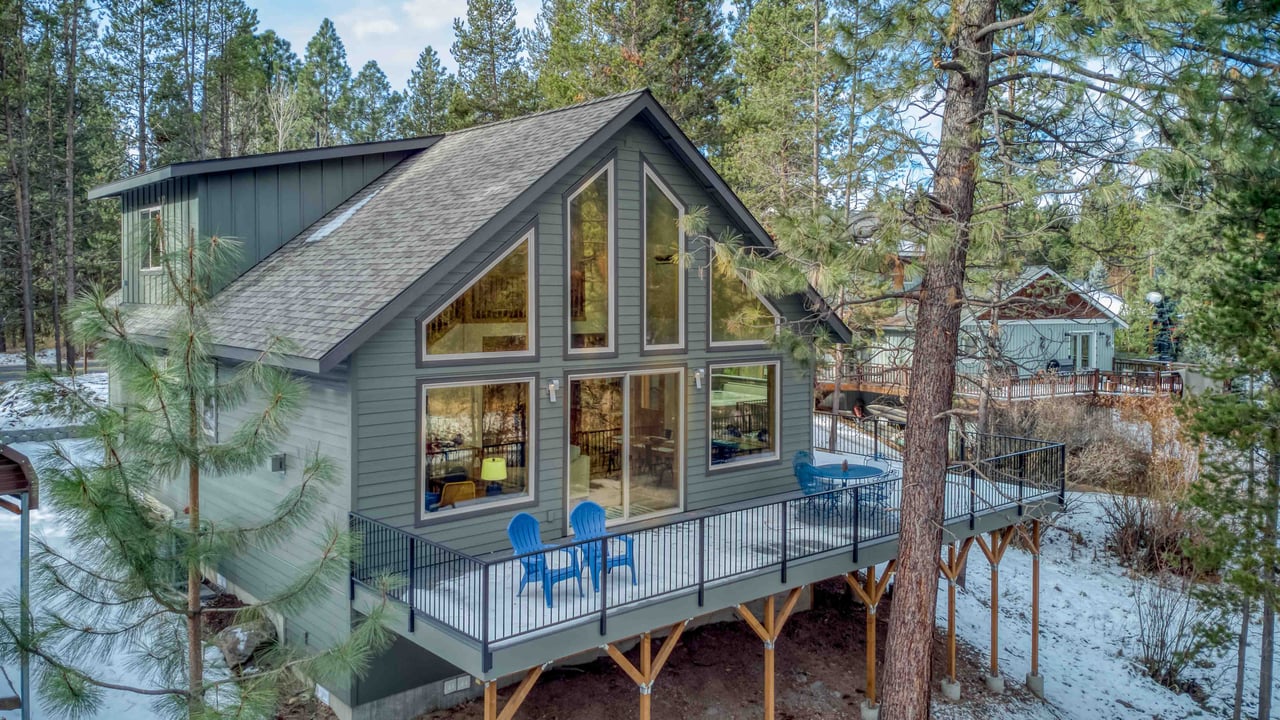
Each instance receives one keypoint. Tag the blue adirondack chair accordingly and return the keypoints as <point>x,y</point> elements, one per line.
<point>526,540</point>
<point>587,520</point>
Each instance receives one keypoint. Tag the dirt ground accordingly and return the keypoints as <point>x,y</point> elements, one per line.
<point>716,673</point>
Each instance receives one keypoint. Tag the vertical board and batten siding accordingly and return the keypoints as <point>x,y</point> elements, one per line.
<point>322,425</point>
<point>179,201</point>
<point>385,373</point>
<point>265,207</point>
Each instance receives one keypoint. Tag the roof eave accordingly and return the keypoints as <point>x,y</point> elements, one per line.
<point>247,162</point>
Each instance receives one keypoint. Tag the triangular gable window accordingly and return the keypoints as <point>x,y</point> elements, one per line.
<point>493,315</point>
<point>738,315</point>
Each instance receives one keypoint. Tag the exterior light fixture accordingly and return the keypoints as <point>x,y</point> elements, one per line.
<point>698,376</point>
<point>553,387</point>
<point>1153,297</point>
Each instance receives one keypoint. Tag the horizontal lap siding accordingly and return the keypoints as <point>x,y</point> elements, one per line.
<point>385,372</point>
<point>322,426</point>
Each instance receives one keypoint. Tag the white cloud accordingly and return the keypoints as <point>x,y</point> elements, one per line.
<point>432,14</point>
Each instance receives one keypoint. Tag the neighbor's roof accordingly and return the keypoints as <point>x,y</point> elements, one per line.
<point>337,282</point>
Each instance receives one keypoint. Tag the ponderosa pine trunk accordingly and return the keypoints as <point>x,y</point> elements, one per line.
<point>72,45</point>
<point>907,667</point>
<point>1266,651</point>
<point>13,75</point>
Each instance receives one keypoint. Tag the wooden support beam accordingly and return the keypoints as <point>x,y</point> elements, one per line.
<point>1000,540</point>
<point>768,631</point>
<point>515,701</point>
<point>870,591</point>
<point>645,675</point>
<point>950,569</point>
<point>1032,537</point>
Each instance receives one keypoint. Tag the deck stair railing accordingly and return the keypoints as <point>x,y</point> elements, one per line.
<point>474,598</point>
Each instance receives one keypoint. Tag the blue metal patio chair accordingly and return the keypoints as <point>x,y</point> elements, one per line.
<point>813,487</point>
<point>587,520</point>
<point>803,457</point>
<point>526,540</point>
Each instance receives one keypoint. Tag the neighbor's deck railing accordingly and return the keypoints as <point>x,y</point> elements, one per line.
<point>470,596</point>
<point>1040,386</point>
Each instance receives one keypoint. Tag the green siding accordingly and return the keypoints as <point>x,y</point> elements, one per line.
<point>180,205</point>
<point>385,372</point>
<point>323,426</point>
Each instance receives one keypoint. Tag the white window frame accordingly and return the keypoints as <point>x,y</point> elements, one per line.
<point>711,321</point>
<point>612,346</point>
<point>775,431</point>
<point>148,216</point>
<point>625,456</point>
<point>1072,338</point>
<point>530,298</point>
<point>531,443</point>
<point>681,302</point>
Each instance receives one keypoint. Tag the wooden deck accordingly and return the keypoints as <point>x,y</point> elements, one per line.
<point>896,380</point>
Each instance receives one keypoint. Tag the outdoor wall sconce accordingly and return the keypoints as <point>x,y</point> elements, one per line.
<point>698,375</point>
<point>553,387</point>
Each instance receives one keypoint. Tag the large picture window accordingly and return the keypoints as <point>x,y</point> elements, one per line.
<point>626,450</point>
<point>591,264</point>
<point>663,275</point>
<point>738,315</point>
<point>744,413</point>
<point>493,315</point>
<point>476,445</point>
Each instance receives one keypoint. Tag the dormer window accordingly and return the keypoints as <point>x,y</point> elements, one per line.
<point>151,246</point>
<point>591,264</point>
<point>739,317</point>
<point>493,315</point>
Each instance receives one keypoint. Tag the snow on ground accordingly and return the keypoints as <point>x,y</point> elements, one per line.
<point>1087,627</point>
<point>19,408</point>
<point>116,705</point>
<point>44,357</point>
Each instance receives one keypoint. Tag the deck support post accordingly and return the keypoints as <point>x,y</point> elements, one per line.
<point>951,569</point>
<point>647,673</point>
<point>1035,681</point>
<point>870,590</point>
<point>1000,540</point>
<point>768,629</point>
<point>515,701</point>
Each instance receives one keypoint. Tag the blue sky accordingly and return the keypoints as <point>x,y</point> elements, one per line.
<point>393,32</point>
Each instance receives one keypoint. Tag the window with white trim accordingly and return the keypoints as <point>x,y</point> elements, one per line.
<point>151,238</point>
<point>664,285</point>
<point>744,413</point>
<point>476,444</point>
<point>591,264</point>
<point>738,315</point>
<point>494,315</point>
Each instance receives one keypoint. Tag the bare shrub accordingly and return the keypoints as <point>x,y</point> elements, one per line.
<point>1149,534</point>
<point>1113,464</point>
<point>1171,630</point>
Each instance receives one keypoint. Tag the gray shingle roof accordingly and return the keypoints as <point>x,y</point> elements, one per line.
<point>314,293</point>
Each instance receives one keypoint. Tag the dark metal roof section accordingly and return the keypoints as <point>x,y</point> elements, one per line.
<point>248,162</point>
<point>16,477</point>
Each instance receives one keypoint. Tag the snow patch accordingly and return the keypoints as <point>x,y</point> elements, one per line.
<point>19,408</point>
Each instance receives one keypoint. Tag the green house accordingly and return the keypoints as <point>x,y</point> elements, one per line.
<point>506,319</point>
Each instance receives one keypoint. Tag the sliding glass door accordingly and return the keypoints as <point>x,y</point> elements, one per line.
<point>626,442</point>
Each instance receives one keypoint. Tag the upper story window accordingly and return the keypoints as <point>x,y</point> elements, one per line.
<point>663,275</point>
<point>152,238</point>
<point>591,264</point>
<point>744,413</point>
<point>738,315</point>
<point>492,315</point>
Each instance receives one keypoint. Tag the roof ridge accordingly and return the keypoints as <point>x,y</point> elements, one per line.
<point>551,111</point>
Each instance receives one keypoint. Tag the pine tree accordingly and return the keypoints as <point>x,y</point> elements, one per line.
<point>564,51</point>
<point>373,108</point>
<point>425,110</point>
<point>134,587</point>
<point>492,82</point>
<point>323,84</point>
<point>129,42</point>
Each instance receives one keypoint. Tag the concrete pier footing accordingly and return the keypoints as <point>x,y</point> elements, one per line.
<point>995,683</point>
<point>950,690</point>
<point>1035,683</point>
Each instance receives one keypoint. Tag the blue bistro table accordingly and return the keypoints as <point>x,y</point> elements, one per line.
<point>837,475</point>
